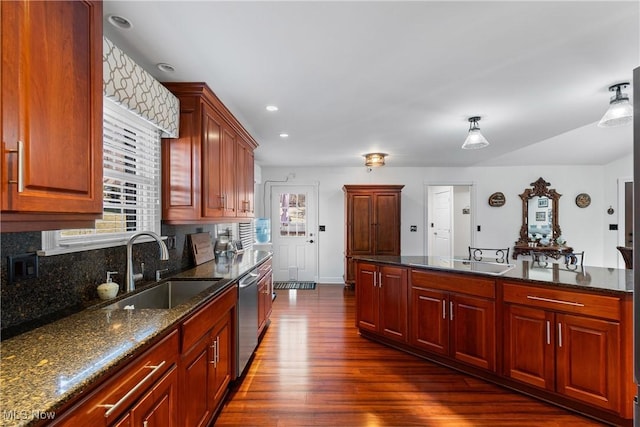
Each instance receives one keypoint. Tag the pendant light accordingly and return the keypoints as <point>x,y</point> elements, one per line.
<point>474,139</point>
<point>620,111</point>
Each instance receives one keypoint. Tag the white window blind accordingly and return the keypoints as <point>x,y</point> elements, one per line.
<point>131,183</point>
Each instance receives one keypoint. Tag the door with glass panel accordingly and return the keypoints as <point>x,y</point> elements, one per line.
<point>294,233</point>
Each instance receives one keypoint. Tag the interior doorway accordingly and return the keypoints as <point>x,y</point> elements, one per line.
<point>294,225</point>
<point>449,220</point>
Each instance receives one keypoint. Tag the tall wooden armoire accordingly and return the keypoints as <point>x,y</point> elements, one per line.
<point>372,223</point>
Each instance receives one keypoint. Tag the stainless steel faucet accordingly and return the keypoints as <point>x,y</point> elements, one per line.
<point>164,255</point>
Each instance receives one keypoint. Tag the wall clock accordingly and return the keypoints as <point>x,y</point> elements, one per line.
<point>497,199</point>
<point>583,200</point>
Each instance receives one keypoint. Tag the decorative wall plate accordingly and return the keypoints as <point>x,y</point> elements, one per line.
<point>497,199</point>
<point>583,200</point>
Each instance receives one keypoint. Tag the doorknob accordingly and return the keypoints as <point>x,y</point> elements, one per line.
<point>310,241</point>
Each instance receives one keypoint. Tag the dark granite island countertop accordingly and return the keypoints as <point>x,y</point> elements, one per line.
<point>42,370</point>
<point>597,279</point>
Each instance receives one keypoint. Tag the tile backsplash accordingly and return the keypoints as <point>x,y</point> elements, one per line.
<point>67,283</point>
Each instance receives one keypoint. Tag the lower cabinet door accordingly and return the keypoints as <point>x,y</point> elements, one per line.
<point>588,358</point>
<point>429,320</point>
<point>159,407</point>
<point>529,346</point>
<point>194,394</point>
<point>220,369</point>
<point>368,308</point>
<point>473,336</point>
<point>393,302</point>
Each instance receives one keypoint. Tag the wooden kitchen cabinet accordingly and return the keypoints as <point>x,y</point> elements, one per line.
<point>372,214</point>
<point>51,120</point>
<point>207,361</point>
<point>567,342</point>
<point>381,300</point>
<point>159,406</point>
<point>265,294</point>
<point>207,171</point>
<point>145,389</point>
<point>246,180</point>
<point>454,316</point>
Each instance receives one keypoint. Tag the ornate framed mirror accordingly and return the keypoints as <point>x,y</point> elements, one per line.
<point>539,215</point>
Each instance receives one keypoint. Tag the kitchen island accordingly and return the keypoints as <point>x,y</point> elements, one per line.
<point>561,334</point>
<point>45,371</point>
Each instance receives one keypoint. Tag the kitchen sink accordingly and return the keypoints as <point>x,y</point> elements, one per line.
<point>165,295</point>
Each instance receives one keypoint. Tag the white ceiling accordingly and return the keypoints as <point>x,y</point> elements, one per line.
<point>400,77</point>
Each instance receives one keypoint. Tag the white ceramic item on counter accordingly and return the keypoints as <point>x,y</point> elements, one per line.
<point>109,289</point>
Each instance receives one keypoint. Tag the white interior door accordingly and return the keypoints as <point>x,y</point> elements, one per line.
<point>442,221</point>
<point>294,233</point>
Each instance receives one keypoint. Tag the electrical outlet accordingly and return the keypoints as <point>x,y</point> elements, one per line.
<point>23,266</point>
<point>413,228</point>
<point>171,242</point>
<point>322,228</point>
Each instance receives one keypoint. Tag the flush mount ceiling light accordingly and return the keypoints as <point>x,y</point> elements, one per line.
<point>271,108</point>
<point>373,160</point>
<point>620,111</point>
<point>474,139</point>
<point>284,135</point>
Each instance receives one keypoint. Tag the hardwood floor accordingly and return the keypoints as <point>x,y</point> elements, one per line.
<point>313,369</point>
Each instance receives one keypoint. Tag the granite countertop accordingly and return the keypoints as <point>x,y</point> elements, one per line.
<point>43,369</point>
<point>598,279</point>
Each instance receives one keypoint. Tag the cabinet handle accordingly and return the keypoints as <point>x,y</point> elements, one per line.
<point>375,280</point>
<point>559,334</point>
<point>450,310</point>
<point>444,309</point>
<point>214,349</point>
<point>548,332</point>
<point>134,390</point>
<point>379,280</point>
<point>557,301</point>
<point>223,201</point>
<point>217,350</point>
<point>20,152</point>
<point>145,423</point>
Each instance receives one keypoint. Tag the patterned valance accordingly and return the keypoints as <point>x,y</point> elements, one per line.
<point>129,85</point>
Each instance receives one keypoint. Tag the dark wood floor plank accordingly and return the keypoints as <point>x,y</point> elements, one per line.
<point>313,369</point>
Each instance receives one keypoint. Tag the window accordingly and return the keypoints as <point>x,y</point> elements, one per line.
<point>131,183</point>
<point>293,214</point>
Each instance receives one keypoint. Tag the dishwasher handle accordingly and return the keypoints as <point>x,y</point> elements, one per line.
<point>249,280</point>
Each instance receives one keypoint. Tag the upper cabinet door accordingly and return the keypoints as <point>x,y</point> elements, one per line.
<point>212,151</point>
<point>52,107</point>
<point>387,223</point>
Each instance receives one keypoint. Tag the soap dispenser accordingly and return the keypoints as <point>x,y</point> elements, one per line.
<point>109,289</point>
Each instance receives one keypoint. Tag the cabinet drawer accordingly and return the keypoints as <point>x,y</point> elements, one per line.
<point>607,307</point>
<point>265,267</point>
<point>454,283</point>
<point>114,397</point>
<point>201,322</point>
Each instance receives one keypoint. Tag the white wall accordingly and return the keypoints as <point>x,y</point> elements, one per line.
<point>584,229</point>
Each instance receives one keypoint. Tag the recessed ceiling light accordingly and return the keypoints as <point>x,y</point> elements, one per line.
<point>119,22</point>
<point>271,108</point>
<point>284,135</point>
<point>167,68</point>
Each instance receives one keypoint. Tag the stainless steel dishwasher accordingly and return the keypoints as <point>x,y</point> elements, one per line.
<point>247,319</point>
